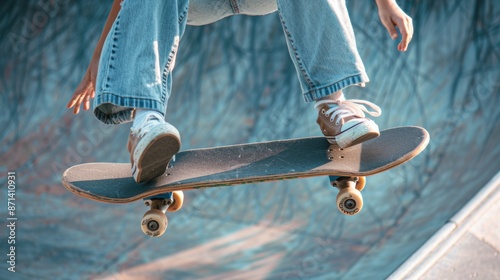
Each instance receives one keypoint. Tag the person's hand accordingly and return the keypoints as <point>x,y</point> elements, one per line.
<point>391,17</point>
<point>86,89</point>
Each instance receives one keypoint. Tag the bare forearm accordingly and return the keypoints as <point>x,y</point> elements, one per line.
<point>109,22</point>
<point>86,89</point>
<point>384,2</point>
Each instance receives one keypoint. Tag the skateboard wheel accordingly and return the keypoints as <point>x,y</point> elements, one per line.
<point>349,201</point>
<point>154,223</point>
<point>178,197</point>
<point>360,185</point>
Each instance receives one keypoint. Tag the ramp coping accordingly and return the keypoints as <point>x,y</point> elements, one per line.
<point>439,244</point>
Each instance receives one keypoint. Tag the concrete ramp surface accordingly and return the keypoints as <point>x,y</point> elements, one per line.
<point>235,83</point>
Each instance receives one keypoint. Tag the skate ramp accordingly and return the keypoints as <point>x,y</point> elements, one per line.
<point>235,83</point>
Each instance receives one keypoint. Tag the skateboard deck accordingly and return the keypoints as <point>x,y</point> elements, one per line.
<point>250,163</point>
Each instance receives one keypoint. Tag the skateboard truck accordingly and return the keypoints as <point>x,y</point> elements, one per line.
<point>155,222</point>
<point>349,199</point>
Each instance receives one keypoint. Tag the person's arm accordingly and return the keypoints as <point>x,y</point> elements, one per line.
<point>391,16</point>
<point>86,89</point>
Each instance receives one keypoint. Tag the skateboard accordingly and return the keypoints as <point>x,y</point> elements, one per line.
<point>248,163</point>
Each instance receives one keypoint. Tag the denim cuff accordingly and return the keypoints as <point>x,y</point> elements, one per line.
<point>317,93</point>
<point>111,108</point>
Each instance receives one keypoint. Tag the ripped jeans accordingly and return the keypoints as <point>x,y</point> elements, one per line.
<point>138,56</point>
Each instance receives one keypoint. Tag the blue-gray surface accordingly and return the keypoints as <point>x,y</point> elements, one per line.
<point>234,83</point>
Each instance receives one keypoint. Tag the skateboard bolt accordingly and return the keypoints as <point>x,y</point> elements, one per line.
<point>350,204</point>
<point>153,225</point>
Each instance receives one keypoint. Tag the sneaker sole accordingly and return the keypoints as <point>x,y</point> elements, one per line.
<point>156,155</point>
<point>355,135</point>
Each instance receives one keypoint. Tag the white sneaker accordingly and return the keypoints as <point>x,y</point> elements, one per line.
<point>151,147</point>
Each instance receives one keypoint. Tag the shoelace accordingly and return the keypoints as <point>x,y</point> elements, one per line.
<point>347,108</point>
<point>151,121</point>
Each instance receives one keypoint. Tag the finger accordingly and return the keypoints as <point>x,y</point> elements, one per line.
<point>403,28</point>
<point>74,101</point>
<point>86,105</point>
<point>410,28</point>
<point>78,103</point>
<point>76,107</point>
<point>389,25</point>
<point>80,93</point>
<point>90,95</point>
<point>82,87</point>
<point>71,103</point>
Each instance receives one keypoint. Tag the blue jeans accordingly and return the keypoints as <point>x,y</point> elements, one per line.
<point>138,56</point>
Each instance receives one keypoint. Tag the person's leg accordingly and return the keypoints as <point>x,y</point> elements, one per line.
<point>135,78</point>
<point>137,59</point>
<point>135,74</point>
<point>322,46</point>
<point>135,69</point>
